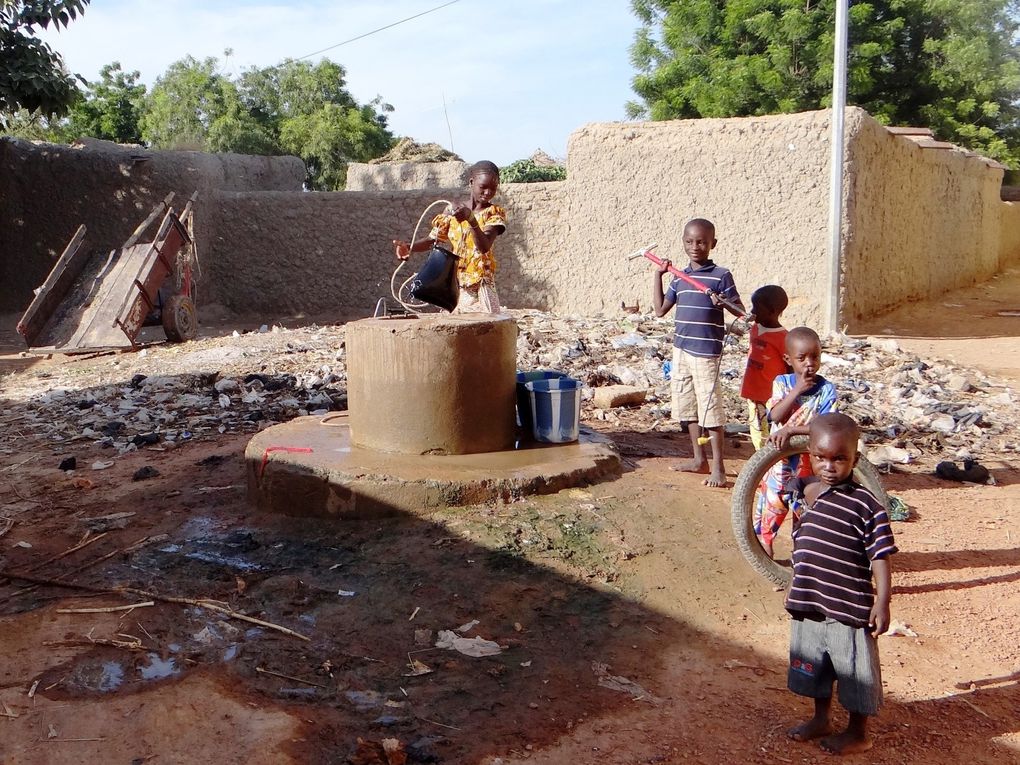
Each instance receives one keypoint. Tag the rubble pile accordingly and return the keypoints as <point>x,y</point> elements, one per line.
<point>913,408</point>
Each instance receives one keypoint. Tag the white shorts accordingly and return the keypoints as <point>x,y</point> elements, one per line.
<point>694,384</point>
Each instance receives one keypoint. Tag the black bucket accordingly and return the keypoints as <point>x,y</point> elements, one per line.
<point>436,282</point>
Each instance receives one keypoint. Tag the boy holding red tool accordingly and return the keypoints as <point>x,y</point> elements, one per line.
<point>699,293</point>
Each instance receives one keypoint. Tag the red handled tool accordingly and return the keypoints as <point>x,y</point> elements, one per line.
<point>646,252</point>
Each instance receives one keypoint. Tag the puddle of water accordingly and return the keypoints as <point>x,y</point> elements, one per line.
<point>111,677</point>
<point>158,668</point>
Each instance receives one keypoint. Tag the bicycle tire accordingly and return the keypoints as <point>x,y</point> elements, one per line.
<point>742,507</point>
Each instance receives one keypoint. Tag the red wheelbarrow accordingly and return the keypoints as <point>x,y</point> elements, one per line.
<point>93,303</point>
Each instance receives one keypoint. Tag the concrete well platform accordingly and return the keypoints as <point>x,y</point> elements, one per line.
<point>329,477</point>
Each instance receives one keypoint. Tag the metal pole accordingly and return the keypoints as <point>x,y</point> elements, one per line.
<point>836,167</point>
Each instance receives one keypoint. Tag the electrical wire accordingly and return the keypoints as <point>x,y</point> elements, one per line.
<point>380,29</point>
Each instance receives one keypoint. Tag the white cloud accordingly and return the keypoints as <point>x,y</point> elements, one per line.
<point>516,76</point>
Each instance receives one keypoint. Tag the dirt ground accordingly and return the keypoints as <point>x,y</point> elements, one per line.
<point>632,630</point>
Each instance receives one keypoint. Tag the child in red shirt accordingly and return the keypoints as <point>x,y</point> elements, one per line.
<point>765,359</point>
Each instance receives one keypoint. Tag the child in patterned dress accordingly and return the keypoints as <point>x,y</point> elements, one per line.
<point>796,400</point>
<point>469,229</point>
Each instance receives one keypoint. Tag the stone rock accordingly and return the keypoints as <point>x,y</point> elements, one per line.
<point>618,395</point>
<point>959,383</point>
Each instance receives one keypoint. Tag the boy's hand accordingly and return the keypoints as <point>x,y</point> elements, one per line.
<point>663,268</point>
<point>804,383</point>
<point>402,249</point>
<point>714,297</point>
<point>781,438</point>
<point>878,621</point>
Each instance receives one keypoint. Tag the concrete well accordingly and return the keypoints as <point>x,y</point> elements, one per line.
<point>438,384</point>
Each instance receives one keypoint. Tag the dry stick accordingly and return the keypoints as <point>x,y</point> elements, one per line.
<point>107,610</point>
<point>130,549</point>
<point>262,671</point>
<point>80,546</point>
<point>201,603</point>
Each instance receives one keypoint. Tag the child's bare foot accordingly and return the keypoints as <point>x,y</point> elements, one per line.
<point>847,742</point>
<point>716,479</point>
<point>691,466</point>
<point>811,729</point>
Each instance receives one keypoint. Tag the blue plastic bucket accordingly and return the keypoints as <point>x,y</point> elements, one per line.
<point>555,409</point>
<point>523,397</point>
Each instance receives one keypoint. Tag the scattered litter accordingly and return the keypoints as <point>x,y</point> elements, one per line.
<point>24,545</point>
<point>622,684</point>
<point>417,668</point>
<point>101,465</point>
<point>898,509</point>
<point>423,637</point>
<point>389,751</point>
<point>476,647</point>
<point>899,628</point>
<point>146,471</point>
<point>972,472</point>
<point>346,593</point>
<point>889,455</point>
<point>468,626</point>
<point>68,463</point>
<point>107,522</point>
<point>526,664</point>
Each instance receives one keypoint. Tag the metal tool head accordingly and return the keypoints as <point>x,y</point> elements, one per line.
<point>642,251</point>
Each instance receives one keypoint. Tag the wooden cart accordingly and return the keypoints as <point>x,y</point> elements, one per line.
<point>90,303</point>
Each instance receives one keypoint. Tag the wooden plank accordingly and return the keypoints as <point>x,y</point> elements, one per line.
<point>156,212</point>
<point>54,289</point>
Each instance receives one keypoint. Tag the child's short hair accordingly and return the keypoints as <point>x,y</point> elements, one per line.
<point>771,296</point>
<point>835,423</point>
<point>483,166</point>
<point>701,223</point>
<point>800,335</point>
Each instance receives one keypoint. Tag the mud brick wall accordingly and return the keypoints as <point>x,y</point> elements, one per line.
<point>288,253</point>
<point>392,176</point>
<point>1009,234</point>
<point>919,221</point>
<point>762,181</point>
<point>47,191</point>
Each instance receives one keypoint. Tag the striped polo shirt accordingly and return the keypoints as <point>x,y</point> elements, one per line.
<point>833,547</point>
<point>699,322</point>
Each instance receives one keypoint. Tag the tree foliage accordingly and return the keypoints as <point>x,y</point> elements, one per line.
<point>528,171</point>
<point>32,75</point>
<point>109,109</point>
<point>293,108</point>
<point>949,65</point>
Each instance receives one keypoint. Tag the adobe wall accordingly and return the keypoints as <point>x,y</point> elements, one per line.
<point>762,180</point>
<point>48,190</point>
<point>919,222</point>
<point>1009,234</point>
<point>392,176</point>
<point>282,253</point>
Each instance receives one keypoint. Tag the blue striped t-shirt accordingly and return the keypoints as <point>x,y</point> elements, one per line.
<point>699,322</point>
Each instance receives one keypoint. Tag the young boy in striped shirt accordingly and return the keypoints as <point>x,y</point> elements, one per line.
<point>697,346</point>
<point>842,542</point>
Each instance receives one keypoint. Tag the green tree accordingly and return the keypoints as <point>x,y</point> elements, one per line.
<point>110,109</point>
<point>32,75</point>
<point>949,65</point>
<point>293,108</point>
<point>315,117</point>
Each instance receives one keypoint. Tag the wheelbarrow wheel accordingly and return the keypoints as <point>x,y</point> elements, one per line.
<point>180,320</point>
<point>745,495</point>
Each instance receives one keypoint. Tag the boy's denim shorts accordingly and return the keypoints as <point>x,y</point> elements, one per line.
<point>827,651</point>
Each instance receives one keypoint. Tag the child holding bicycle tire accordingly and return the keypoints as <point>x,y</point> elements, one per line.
<point>796,400</point>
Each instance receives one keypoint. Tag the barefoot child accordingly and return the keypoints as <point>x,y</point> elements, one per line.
<point>796,400</point>
<point>843,540</point>
<point>765,357</point>
<point>697,346</point>
<point>469,230</point>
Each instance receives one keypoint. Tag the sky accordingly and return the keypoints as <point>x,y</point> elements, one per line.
<point>516,76</point>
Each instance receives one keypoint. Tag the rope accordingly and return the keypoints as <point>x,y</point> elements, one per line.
<point>394,290</point>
